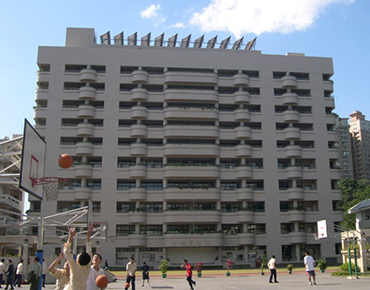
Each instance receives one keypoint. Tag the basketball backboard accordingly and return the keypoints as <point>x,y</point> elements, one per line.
<point>33,160</point>
<point>322,229</point>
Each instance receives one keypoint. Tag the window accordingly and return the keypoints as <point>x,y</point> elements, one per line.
<point>151,230</point>
<point>231,206</point>
<point>124,230</point>
<point>124,207</point>
<point>125,185</point>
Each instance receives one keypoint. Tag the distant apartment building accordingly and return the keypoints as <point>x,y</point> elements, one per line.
<point>345,148</point>
<point>360,131</point>
<point>11,198</point>
<point>191,152</point>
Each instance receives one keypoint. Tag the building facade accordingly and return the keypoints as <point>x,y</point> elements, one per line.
<point>360,131</point>
<point>196,153</point>
<point>345,148</point>
<point>11,198</point>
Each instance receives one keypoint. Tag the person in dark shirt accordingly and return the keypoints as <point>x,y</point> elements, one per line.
<point>145,271</point>
<point>9,275</point>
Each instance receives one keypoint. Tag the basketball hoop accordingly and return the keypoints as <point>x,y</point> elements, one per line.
<point>316,236</point>
<point>50,185</point>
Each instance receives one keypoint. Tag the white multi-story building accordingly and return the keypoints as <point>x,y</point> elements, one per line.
<point>11,198</point>
<point>345,148</point>
<point>360,131</point>
<point>191,152</point>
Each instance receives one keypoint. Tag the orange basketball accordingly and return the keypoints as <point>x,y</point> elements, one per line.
<point>101,281</point>
<point>127,285</point>
<point>65,161</point>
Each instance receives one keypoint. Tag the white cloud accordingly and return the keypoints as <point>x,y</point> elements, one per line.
<point>250,16</point>
<point>177,25</point>
<point>151,11</point>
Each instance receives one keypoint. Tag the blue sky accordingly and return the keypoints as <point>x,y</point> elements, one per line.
<point>328,28</point>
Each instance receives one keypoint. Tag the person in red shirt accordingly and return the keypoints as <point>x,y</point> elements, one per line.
<point>189,273</point>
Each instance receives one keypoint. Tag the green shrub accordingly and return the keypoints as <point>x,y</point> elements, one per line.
<point>344,270</point>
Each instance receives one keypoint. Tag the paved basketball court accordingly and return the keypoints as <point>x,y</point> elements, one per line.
<point>252,282</point>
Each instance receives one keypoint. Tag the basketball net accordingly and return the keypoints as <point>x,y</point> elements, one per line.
<point>50,185</point>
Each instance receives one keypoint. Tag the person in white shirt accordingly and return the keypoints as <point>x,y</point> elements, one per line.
<point>131,270</point>
<point>95,272</point>
<point>272,266</point>
<point>2,271</point>
<point>309,264</point>
<point>79,269</point>
<point>18,274</point>
<point>61,275</point>
<point>44,271</point>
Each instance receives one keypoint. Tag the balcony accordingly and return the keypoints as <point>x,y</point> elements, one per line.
<point>84,148</point>
<point>243,132</point>
<point>297,237</point>
<point>293,151</point>
<point>290,99</point>
<point>296,215</point>
<point>82,193</point>
<point>138,149</point>
<point>138,240</point>
<point>88,75</point>
<point>289,81</point>
<point>187,216</point>
<point>139,77</point>
<point>190,77</point>
<point>206,194</point>
<point>173,95</point>
<point>174,113</point>
<point>137,194</point>
<point>137,217</point>
<point>139,94</point>
<point>39,112</point>
<point>191,172</point>
<point>291,116</point>
<point>242,115</point>
<point>10,203</point>
<point>292,133</point>
<point>138,131</point>
<point>138,171</point>
<point>245,194</point>
<point>244,172</point>
<point>241,97</point>
<point>191,131</point>
<point>87,93</point>
<point>294,172</point>
<point>246,239</point>
<point>85,130</point>
<point>295,193</point>
<point>243,151</point>
<point>245,216</point>
<point>191,150</point>
<point>241,80</point>
<point>86,111</point>
<point>139,113</point>
<point>184,240</point>
<point>83,170</point>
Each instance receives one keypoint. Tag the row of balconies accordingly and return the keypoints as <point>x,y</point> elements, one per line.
<point>140,76</point>
<point>210,239</point>
<point>213,172</point>
<point>206,150</point>
<point>190,194</point>
<point>213,132</point>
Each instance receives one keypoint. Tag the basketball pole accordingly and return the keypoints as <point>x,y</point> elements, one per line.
<point>40,246</point>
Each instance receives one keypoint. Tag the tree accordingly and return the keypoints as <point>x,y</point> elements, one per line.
<point>354,191</point>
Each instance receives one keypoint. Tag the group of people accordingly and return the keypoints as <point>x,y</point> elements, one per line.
<point>309,264</point>
<point>131,269</point>
<point>13,276</point>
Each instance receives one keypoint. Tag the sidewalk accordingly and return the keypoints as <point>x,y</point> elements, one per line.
<point>250,282</point>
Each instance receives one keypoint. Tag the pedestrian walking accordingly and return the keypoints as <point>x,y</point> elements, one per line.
<point>145,271</point>
<point>272,266</point>
<point>309,264</point>
<point>18,274</point>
